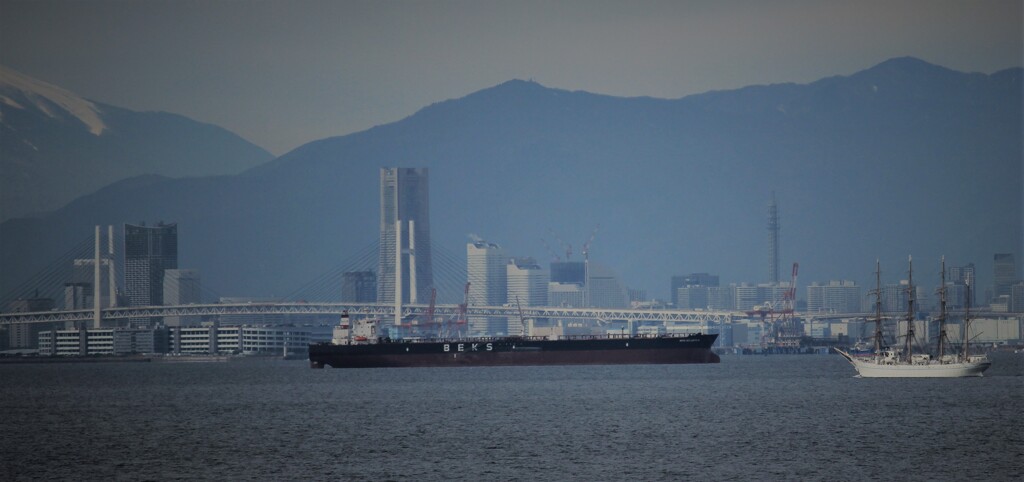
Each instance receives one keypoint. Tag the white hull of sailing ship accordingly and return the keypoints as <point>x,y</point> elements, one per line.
<point>903,363</point>
<point>881,368</point>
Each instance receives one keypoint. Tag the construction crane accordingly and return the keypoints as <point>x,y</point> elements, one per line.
<point>554,257</point>
<point>781,331</point>
<point>567,247</point>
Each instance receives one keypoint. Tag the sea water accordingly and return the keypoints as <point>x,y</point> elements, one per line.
<point>800,417</point>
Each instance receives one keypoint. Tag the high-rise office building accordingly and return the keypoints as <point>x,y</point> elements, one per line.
<point>359,287</point>
<point>604,289</point>
<point>834,297</point>
<point>486,265</point>
<point>148,252</point>
<point>404,196</point>
<point>1004,273</point>
<point>527,286</point>
<point>527,282</point>
<point>694,279</point>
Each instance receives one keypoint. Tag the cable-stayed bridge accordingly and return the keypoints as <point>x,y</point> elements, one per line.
<point>374,310</point>
<point>316,297</point>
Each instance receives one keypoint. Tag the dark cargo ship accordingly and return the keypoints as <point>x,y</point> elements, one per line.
<point>360,348</point>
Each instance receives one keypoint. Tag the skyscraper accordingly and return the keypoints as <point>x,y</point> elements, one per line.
<point>527,281</point>
<point>604,289</point>
<point>1004,273</point>
<point>488,283</point>
<point>404,196</point>
<point>148,251</point>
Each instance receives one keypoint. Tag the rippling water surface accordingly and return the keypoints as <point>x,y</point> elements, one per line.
<point>775,418</point>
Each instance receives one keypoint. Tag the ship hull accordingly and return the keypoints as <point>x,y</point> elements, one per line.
<point>517,352</point>
<point>868,368</point>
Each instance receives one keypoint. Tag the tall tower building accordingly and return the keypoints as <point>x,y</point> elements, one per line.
<point>527,282</point>
<point>488,283</point>
<point>404,196</point>
<point>604,289</point>
<point>148,252</point>
<point>1004,273</point>
<point>773,241</point>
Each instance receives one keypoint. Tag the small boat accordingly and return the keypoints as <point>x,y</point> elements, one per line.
<point>888,362</point>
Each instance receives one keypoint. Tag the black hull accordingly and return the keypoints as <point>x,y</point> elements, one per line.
<point>518,352</point>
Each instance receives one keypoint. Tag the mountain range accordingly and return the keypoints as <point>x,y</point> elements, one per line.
<point>56,146</point>
<point>903,158</point>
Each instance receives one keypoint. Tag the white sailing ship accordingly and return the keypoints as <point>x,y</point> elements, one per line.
<point>889,362</point>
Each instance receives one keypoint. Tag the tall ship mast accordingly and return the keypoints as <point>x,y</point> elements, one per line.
<point>903,363</point>
<point>878,307</point>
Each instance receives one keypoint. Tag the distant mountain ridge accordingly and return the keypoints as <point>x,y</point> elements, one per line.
<point>56,146</point>
<point>901,158</point>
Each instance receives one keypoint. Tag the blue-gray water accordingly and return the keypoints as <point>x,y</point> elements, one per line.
<point>779,417</point>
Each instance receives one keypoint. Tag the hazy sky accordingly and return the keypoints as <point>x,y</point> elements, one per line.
<point>283,73</point>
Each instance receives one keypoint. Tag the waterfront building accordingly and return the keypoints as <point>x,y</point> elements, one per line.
<point>834,297</point>
<point>245,339</point>
<point>148,252</point>
<point>487,268</point>
<point>359,287</point>
<point>181,287</point>
<point>194,340</point>
<point>404,196</point>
